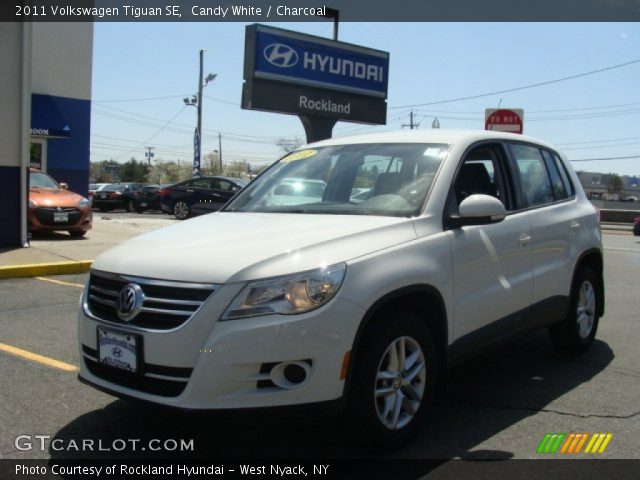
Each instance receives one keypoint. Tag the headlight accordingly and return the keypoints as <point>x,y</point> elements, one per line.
<point>287,295</point>
<point>83,203</point>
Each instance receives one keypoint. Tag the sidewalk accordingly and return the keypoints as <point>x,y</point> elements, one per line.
<point>56,253</point>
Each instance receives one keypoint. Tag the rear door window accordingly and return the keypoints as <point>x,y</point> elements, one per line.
<point>534,177</point>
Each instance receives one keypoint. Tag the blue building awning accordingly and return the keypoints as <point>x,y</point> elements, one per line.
<point>46,118</point>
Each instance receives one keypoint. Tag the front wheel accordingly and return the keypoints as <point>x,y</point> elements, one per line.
<point>576,332</point>
<point>394,379</point>
<point>181,210</point>
<point>77,233</point>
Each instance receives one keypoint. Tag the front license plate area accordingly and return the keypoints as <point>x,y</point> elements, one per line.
<point>119,349</point>
<point>60,217</point>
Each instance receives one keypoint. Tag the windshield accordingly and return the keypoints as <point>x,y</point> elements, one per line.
<point>41,180</point>
<point>361,179</point>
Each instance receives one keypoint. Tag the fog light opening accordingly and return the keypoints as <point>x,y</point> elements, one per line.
<point>290,374</point>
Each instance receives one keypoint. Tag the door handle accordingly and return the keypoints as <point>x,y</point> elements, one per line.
<point>190,190</point>
<point>574,226</point>
<point>524,239</point>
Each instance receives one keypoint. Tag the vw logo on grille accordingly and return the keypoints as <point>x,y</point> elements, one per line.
<point>280,55</point>
<point>129,302</point>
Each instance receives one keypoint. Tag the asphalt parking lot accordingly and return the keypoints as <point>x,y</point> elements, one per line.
<point>499,406</point>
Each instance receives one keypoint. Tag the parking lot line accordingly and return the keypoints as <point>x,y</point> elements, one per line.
<point>41,359</point>
<point>60,282</point>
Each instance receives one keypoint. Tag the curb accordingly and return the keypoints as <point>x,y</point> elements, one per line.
<point>41,269</point>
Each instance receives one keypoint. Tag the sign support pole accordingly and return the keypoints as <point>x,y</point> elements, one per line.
<point>317,128</point>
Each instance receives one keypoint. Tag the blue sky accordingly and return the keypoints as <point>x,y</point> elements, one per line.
<point>594,116</point>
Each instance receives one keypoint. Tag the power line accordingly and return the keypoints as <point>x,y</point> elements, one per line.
<point>602,159</point>
<point>524,87</point>
<point>140,99</point>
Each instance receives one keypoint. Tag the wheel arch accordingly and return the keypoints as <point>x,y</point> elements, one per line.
<point>423,300</point>
<point>593,259</point>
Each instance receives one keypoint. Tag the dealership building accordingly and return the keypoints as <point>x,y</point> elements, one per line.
<point>45,75</point>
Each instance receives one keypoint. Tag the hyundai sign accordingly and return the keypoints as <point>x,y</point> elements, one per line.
<point>291,72</point>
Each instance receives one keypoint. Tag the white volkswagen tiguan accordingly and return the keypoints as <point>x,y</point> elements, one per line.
<point>418,250</point>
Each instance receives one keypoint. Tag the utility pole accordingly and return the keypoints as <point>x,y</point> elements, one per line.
<point>411,123</point>
<point>220,150</point>
<point>200,111</point>
<point>196,101</point>
<point>149,154</point>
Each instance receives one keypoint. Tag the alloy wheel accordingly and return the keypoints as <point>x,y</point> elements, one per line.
<point>400,383</point>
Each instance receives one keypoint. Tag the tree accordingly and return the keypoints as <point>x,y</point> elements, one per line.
<point>614,185</point>
<point>211,163</point>
<point>237,168</point>
<point>105,171</point>
<point>134,171</point>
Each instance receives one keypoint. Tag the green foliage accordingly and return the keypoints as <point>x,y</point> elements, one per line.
<point>134,171</point>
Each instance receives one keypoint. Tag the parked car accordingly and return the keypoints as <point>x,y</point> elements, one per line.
<point>636,227</point>
<point>199,195</point>
<point>53,207</point>
<point>148,198</point>
<point>467,239</point>
<point>117,195</point>
<point>95,187</point>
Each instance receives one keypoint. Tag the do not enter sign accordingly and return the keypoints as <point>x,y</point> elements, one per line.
<point>504,120</point>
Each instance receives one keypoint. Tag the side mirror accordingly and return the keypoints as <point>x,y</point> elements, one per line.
<point>64,186</point>
<point>479,210</point>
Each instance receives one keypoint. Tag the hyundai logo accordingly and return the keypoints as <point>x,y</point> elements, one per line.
<point>116,352</point>
<point>280,55</point>
<point>129,302</point>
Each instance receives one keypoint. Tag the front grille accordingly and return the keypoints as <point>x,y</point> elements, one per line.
<point>165,305</point>
<point>45,216</point>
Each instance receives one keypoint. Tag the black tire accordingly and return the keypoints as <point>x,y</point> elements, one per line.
<point>181,210</point>
<point>77,233</point>
<point>139,210</point>
<point>104,210</point>
<point>576,332</point>
<point>368,405</point>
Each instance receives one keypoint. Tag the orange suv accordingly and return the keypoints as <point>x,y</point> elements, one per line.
<point>53,207</point>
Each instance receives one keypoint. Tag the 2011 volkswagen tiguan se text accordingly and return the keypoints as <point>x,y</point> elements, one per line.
<point>354,270</point>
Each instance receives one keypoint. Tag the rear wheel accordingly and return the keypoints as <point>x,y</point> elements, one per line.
<point>576,332</point>
<point>394,379</point>
<point>181,210</point>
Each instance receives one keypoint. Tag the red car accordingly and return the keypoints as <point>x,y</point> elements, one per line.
<point>53,207</point>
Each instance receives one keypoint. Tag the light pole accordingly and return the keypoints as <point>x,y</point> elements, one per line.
<point>196,101</point>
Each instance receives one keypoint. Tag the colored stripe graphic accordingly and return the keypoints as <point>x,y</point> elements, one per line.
<point>550,443</point>
<point>598,443</point>
<point>573,443</point>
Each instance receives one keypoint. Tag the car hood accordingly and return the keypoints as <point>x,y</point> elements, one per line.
<point>48,197</point>
<point>231,247</point>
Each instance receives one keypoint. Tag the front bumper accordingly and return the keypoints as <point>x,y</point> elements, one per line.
<point>207,364</point>
<point>42,219</point>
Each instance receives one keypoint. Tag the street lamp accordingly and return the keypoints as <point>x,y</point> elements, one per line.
<point>196,101</point>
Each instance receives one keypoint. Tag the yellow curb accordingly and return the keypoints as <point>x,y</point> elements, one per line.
<point>42,269</point>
